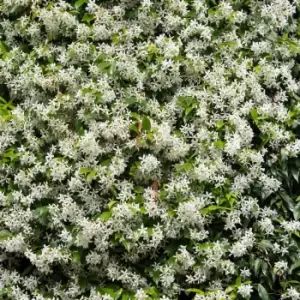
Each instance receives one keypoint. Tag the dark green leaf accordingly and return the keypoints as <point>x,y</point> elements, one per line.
<point>138,189</point>
<point>257,265</point>
<point>265,245</point>
<point>284,284</point>
<point>294,266</point>
<point>83,283</point>
<point>295,173</point>
<point>263,292</point>
<point>76,257</point>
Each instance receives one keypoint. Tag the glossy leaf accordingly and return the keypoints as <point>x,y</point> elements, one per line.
<point>146,124</point>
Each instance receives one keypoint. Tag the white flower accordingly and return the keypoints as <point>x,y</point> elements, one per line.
<point>245,273</point>
<point>292,293</point>
<point>141,295</point>
<point>167,276</point>
<point>281,266</point>
<point>267,226</point>
<point>233,144</point>
<point>146,3</point>
<point>245,290</point>
<point>149,163</point>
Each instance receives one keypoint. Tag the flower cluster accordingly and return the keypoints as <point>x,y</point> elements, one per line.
<point>149,149</point>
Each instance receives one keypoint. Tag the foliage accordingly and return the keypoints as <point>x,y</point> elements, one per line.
<point>149,149</point>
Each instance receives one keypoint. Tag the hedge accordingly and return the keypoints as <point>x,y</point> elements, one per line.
<point>149,149</point>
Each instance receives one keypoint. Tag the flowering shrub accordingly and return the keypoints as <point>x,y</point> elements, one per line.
<point>149,149</point>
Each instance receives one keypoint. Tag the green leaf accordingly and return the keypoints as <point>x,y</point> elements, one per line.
<point>197,291</point>
<point>296,212</point>
<point>91,176</point>
<point>126,296</point>
<point>238,281</point>
<point>84,171</point>
<point>3,47</point>
<point>3,100</point>
<point>79,3</point>
<point>113,290</point>
<point>138,190</point>
<point>111,204</point>
<point>295,173</point>
<point>106,215</point>
<point>5,234</point>
<point>11,154</point>
<point>171,213</point>
<point>229,289</point>
<point>211,208</point>
<point>285,284</point>
<point>3,292</point>
<point>219,144</point>
<point>88,18</point>
<point>113,67</point>
<point>153,292</point>
<point>254,113</point>
<point>229,44</point>
<point>28,270</point>
<point>103,65</point>
<point>106,163</point>
<point>294,266</point>
<point>135,115</point>
<point>146,125</point>
<point>76,257</point>
<point>264,268</point>
<point>184,168</point>
<point>41,211</point>
<point>188,110</point>
<point>288,201</point>
<point>265,245</point>
<point>133,127</point>
<point>263,292</point>
<point>219,124</point>
<point>115,39</point>
<point>131,100</point>
<point>133,168</point>
<point>186,102</point>
<point>83,283</point>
